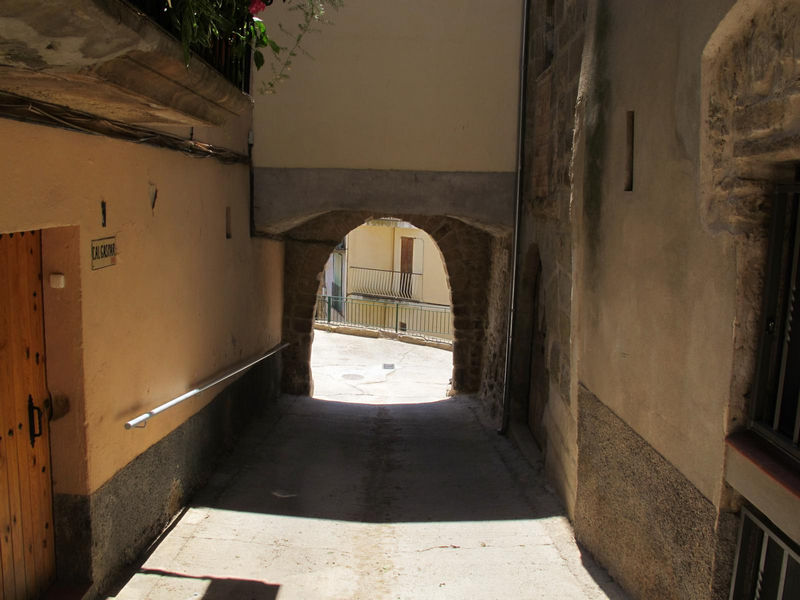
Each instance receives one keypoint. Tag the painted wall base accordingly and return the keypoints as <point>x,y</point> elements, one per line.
<point>641,518</point>
<point>98,535</point>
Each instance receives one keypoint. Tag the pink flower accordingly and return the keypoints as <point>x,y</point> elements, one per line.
<point>256,6</point>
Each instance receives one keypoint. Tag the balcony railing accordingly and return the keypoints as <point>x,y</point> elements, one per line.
<point>420,319</point>
<point>220,56</point>
<point>384,284</point>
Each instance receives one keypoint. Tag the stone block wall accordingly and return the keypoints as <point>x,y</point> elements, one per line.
<point>751,141</point>
<point>98,536</point>
<point>556,43</point>
<point>494,347</point>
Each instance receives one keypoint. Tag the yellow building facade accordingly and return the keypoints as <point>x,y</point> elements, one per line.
<point>390,275</point>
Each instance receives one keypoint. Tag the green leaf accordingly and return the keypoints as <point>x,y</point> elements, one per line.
<point>258,59</point>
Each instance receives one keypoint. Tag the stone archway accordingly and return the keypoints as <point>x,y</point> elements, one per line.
<point>468,256</point>
<point>749,143</point>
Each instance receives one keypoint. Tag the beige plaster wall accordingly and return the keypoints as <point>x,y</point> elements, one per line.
<point>61,251</point>
<point>182,302</point>
<point>370,247</point>
<point>398,85</point>
<point>657,289</point>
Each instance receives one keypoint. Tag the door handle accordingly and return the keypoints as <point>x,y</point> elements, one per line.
<point>34,427</point>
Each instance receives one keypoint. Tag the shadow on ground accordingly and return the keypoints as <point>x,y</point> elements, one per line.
<point>225,589</point>
<point>378,464</point>
<point>331,500</point>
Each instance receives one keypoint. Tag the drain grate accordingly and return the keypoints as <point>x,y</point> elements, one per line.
<point>388,365</point>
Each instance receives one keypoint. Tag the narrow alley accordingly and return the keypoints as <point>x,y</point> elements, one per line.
<point>595,203</point>
<point>359,494</point>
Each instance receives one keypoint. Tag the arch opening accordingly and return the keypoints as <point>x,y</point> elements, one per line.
<point>470,257</point>
<point>383,318</point>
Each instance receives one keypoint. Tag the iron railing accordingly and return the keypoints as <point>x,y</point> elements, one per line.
<point>385,284</point>
<point>767,563</point>
<point>232,65</point>
<point>421,319</point>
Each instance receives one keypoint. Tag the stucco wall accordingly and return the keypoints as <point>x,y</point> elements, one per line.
<point>371,247</point>
<point>657,288</point>
<point>656,307</point>
<point>397,85</point>
<point>644,296</point>
<point>182,302</point>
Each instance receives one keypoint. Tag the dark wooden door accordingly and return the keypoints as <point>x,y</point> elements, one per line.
<point>27,561</point>
<point>406,254</point>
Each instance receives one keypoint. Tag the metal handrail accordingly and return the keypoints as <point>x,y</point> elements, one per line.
<point>141,420</point>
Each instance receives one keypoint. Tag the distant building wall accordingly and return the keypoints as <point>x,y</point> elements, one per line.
<point>376,245</point>
<point>371,247</point>
<point>373,261</point>
<point>428,261</point>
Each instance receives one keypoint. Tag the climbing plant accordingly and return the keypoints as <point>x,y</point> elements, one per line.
<point>202,22</point>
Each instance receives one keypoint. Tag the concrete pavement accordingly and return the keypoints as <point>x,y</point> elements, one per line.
<point>380,487</point>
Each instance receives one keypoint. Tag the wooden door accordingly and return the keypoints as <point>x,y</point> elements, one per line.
<point>406,254</point>
<point>27,560</point>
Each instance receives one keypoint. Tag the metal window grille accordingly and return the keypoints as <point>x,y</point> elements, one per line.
<point>776,406</point>
<point>767,564</point>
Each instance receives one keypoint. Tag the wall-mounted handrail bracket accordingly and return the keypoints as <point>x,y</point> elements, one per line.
<point>140,421</point>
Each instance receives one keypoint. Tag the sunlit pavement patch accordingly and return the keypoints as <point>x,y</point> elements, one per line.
<point>378,371</point>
